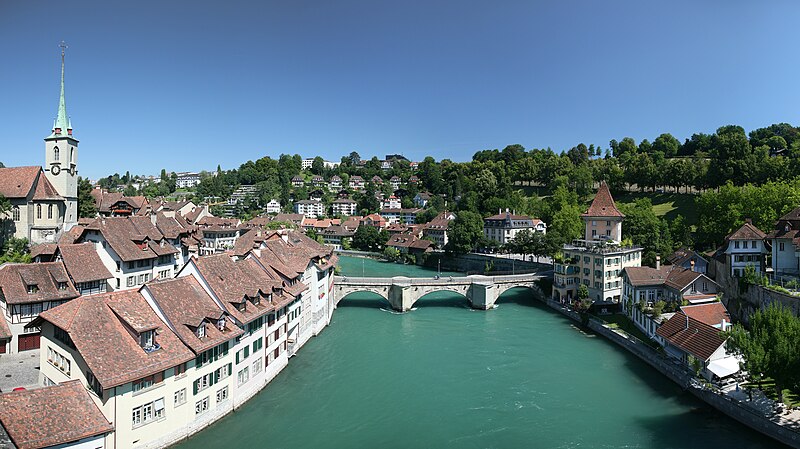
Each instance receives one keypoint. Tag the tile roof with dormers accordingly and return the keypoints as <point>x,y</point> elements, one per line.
<point>603,204</point>
<point>82,262</point>
<point>51,416</point>
<point>691,336</point>
<point>132,238</point>
<point>103,329</point>
<point>236,282</point>
<point>186,305</point>
<point>15,280</point>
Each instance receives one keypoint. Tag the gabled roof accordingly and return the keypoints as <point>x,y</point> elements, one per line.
<point>683,255</point>
<point>603,204</point>
<point>45,190</point>
<point>746,232</point>
<point>15,279</point>
<point>101,328</point>
<point>51,416</point>
<point>647,276</point>
<point>132,238</point>
<point>187,306</point>
<point>83,263</point>
<point>691,335</point>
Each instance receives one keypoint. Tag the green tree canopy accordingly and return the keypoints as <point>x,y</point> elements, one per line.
<point>465,233</point>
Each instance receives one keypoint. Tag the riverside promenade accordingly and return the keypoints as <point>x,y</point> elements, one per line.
<point>758,414</point>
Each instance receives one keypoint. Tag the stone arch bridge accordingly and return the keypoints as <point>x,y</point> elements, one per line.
<point>402,292</point>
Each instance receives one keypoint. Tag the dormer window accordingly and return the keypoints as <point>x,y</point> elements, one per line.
<point>257,300</point>
<point>62,285</point>
<point>242,306</point>
<point>33,288</point>
<point>221,324</point>
<point>201,331</point>
<point>147,340</point>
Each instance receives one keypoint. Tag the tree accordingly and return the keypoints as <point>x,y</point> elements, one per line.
<point>465,233</point>
<point>130,191</point>
<point>5,207</point>
<point>666,144</point>
<point>567,223</point>
<point>86,205</point>
<point>318,166</point>
<point>771,346</point>
<point>391,254</point>
<point>369,238</point>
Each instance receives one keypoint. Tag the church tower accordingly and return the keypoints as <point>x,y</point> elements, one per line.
<point>61,157</point>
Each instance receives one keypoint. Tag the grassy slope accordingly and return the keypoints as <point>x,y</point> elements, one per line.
<point>669,205</point>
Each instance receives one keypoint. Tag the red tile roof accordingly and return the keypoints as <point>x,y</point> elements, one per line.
<point>746,232</point>
<point>691,335</point>
<point>17,182</point>
<point>603,204</point>
<point>83,263</point>
<point>5,332</point>
<point>127,237</point>
<point>99,327</point>
<point>711,313</point>
<point>15,279</point>
<point>187,305</point>
<point>45,190</point>
<point>51,416</point>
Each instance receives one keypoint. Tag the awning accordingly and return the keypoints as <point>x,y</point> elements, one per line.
<point>724,367</point>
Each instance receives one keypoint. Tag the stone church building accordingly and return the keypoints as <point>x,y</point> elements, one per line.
<point>44,201</point>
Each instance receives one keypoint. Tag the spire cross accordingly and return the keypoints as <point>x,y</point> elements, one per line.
<point>63,46</point>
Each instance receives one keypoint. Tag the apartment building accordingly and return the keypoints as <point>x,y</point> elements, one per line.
<point>344,206</point>
<point>745,247</point>
<point>597,261</point>
<point>503,227</point>
<point>309,208</point>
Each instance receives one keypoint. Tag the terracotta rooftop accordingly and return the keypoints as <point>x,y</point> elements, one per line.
<point>603,204</point>
<point>5,332</point>
<point>102,327</point>
<point>132,238</point>
<point>17,182</point>
<point>691,335</point>
<point>746,232</point>
<point>17,279</point>
<point>711,314</point>
<point>187,305</point>
<point>83,263</point>
<point>45,190</point>
<point>51,416</point>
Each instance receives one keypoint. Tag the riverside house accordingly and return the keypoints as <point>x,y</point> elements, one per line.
<point>596,261</point>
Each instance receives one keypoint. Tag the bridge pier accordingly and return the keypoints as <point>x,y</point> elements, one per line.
<point>400,294</point>
<point>483,293</point>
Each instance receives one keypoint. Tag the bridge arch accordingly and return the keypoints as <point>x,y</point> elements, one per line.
<point>365,296</point>
<point>454,299</point>
<point>506,294</point>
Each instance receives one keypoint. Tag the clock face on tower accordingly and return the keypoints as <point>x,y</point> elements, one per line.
<point>55,169</point>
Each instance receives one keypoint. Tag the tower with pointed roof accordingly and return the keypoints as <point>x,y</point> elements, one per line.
<point>61,157</point>
<point>603,220</point>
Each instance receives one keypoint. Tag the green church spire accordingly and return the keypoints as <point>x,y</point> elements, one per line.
<point>62,127</point>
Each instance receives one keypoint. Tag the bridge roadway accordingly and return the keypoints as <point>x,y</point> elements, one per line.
<point>402,292</point>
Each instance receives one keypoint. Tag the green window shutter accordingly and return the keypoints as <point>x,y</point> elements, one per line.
<point>196,384</point>
<point>237,357</point>
<point>230,369</point>
<point>216,376</point>
<point>246,351</point>
<point>255,343</point>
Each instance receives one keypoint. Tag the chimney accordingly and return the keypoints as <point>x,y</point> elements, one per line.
<point>692,264</point>
<point>658,262</point>
<point>722,326</point>
<point>687,321</point>
<point>748,220</point>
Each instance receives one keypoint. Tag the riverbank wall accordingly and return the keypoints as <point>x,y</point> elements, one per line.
<point>686,380</point>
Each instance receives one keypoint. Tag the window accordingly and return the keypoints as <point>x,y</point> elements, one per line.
<point>49,211</point>
<point>222,395</point>
<point>243,353</point>
<point>62,336</point>
<point>755,244</point>
<point>244,375</point>
<point>201,330</point>
<point>201,406</point>
<point>736,244</point>
<point>59,361</point>
<point>744,244</point>
<point>147,339</point>
<point>180,397</point>
<point>15,213</point>
<point>180,369</point>
<point>149,412</point>
<point>130,265</point>
<point>147,382</point>
<point>62,285</point>
<point>56,154</point>
<point>33,288</point>
<point>94,384</point>
<point>131,281</point>
<point>38,211</point>
<point>258,344</point>
<point>163,274</point>
<point>257,365</point>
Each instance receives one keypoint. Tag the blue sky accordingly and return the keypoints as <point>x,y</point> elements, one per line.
<point>188,85</point>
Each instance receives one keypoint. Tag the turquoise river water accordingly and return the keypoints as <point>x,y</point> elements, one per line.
<point>446,376</point>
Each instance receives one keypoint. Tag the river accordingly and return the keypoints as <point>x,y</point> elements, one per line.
<point>447,376</point>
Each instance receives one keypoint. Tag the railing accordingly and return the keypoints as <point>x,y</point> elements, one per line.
<point>443,280</point>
